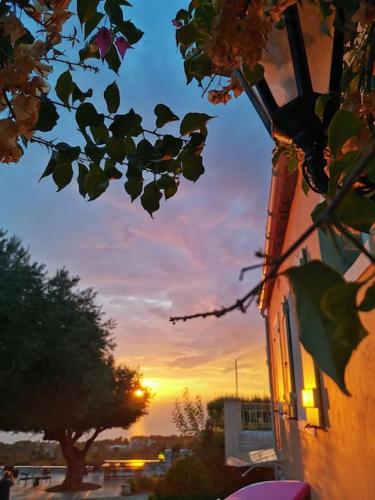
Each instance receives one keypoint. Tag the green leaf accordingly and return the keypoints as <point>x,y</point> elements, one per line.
<point>150,198</point>
<point>305,186</point>
<point>368,303</point>
<point>48,115</point>
<point>145,150</point>
<point>86,115</point>
<point>187,35</point>
<point>198,66</point>
<point>128,124</point>
<point>133,187</point>
<point>86,9</point>
<point>64,87</point>
<point>196,143</point>
<point>95,182</point>
<point>117,149</point>
<point>168,184</point>
<point>182,15</point>
<point>336,169</point>
<point>112,97</point>
<point>130,32</point>
<point>356,211</point>
<point>114,11</point>
<point>253,75</point>
<point>168,147</point>
<point>111,171</point>
<point>93,23</point>
<point>51,165</point>
<point>100,134</point>
<point>94,152</point>
<point>78,95</point>
<point>339,168</point>
<point>192,167</point>
<point>371,170</point>
<point>62,155</point>
<point>90,51</point>
<point>164,115</point>
<point>204,15</point>
<point>67,153</point>
<point>321,102</point>
<point>329,325</point>
<point>343,126</point>
<point>194,121</point>
<point>62,175</point>
<point>83,171</point>
<point>113,60</point>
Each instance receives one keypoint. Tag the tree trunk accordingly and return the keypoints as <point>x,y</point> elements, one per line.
<point>75,462</point>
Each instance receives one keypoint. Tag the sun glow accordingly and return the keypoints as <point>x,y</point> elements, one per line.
<point>149,383</point>
<point>139,393</point>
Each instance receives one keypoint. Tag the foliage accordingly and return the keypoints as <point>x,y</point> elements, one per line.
<point>330,325</point>
<point>204,474</point>
<point>57,374</point>
<point>189,415</point>
<point>39,39</point>
<point>186,477</point>
<point>143,483</point>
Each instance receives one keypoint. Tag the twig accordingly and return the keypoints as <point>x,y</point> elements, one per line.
<point>244,270</point>
<point>9,104</point>
<point>208,85</point>
<point>71,64</point>
<point>324,218</point>
<point>109,117</point>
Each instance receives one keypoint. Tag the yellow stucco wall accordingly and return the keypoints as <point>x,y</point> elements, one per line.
<point>339,459</point>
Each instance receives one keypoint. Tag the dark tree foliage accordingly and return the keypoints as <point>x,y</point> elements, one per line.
<point>57,374</point>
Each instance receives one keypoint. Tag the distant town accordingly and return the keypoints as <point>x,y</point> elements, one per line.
<point>49,453</point>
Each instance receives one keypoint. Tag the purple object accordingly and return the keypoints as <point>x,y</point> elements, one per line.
<point>273,490</point>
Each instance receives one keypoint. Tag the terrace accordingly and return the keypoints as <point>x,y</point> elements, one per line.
<point>247,427</point>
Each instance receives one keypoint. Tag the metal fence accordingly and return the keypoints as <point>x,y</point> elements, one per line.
<point>256,416</point>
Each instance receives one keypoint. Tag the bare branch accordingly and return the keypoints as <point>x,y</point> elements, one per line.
<point>244,270</point>
<point>71,64</point>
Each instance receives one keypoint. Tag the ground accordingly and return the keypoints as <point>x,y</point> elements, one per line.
<point>110,490</point>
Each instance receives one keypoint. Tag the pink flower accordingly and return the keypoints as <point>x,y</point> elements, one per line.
<point>122,45</point>
<point>103,40</point>
<point>177,24</point>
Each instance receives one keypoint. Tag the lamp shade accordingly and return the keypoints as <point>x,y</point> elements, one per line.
<point>301,61</point>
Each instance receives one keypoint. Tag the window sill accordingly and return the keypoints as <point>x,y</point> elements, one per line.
<point>304,426</point>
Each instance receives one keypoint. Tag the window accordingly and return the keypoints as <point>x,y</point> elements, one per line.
<point>289,367</point>
<point>337,251</point>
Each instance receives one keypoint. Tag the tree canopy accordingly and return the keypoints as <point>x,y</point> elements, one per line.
<point>57,373</point>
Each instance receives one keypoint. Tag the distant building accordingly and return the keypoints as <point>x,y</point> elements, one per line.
<point>119,447</point>
<point>185,452</point>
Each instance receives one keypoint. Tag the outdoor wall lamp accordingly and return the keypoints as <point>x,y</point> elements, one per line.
<point>300,64</point>
<point>310,398</point>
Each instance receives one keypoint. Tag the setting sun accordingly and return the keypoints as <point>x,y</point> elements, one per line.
<point>139,393</point>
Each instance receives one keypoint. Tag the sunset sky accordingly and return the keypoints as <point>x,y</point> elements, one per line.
<point>185,260</point>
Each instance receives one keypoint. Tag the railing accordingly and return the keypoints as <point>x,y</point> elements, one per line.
<point>256,416</point>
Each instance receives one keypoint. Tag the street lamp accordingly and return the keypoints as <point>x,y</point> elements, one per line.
<point>300,64</point>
